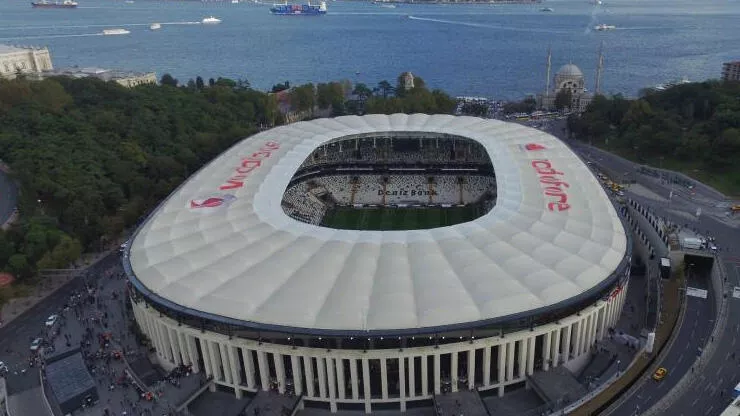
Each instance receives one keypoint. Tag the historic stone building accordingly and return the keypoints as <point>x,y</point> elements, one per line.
<point>23,59</point>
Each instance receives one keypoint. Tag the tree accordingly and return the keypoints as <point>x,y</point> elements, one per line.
<point>18,266</point>
<point>167,79</point>
<point>385,88</point>
<point>362,91</point>
<point>563,99</point>
<point>199,83</point>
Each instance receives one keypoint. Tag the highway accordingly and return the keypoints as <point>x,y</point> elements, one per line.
<point>710,390</point>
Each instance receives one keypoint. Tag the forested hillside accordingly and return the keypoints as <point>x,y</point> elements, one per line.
<point>92,157</point>
<point>694,128</point>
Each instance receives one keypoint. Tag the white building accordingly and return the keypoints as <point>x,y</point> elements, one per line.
<point>569,77</point>
<point>224,280</point>
<point>23,59</point>
<point>126,78</point>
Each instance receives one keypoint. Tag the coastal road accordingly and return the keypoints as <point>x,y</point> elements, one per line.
<point>710,390</point>
<point>8,196</point>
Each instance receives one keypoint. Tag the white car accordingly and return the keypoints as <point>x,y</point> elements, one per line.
<point>3,368</point>
<point>51,320</point>
<point>36,344</point>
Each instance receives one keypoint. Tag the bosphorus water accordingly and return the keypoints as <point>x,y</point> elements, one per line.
<point>485,50</point>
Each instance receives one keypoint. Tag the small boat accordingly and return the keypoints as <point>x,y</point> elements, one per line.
<point>210,20</point>
<point>388,6</point>
<point>44,4</point>
<point>155,26</point>
<point>602,27</point>
<point>234,1</point>
<point>115,32</point>
<point>547,9</point>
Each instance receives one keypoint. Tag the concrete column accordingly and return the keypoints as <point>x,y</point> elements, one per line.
<point>487,366</point>
<point>402,382</point>
<point>264,370</point>
<point>279,371</point>
<point>424,375</point>
<point>594,327</point>
<point>384,378</point>
<point>225,363</point>
<point>331,384</point>
<point>183,347</point>
<point>340,379</point>
<point>247,357</point>
<point>412,377</point>
<point>192,353</point>
<point>566,339</point>
<point>522,367</point>
<point>471,369</point>
<point>165,342</point>
<point>206,356</point>
<point>556,347</point>
<point>578,337</point>
<point>546,350</point>
<point>321,370</point>
<point>510,356</point>
<point>501,368</point>
<point>215,364</point>
<point>169,354</point>
<point>454,371</point>
<point>174,345</point>
<point>530,355</point>
<point>366,383</point>
<point>234,367</point>
<point>437,375</point>
<point>602,320</point>
<point>308,366</point>
<point>354,381</point>
<point>295,365</point>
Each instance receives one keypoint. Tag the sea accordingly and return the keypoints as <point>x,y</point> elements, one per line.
<point>489,50</point>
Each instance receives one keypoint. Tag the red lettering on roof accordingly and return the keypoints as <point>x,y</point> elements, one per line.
<point>249,164</point>
<point>555,187</point>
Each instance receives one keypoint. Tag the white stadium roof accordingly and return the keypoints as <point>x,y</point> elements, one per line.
<point>234,254</point>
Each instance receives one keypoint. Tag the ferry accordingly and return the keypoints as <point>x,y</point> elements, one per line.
<point>547,9</point>
<point>308,9</point>
<point>44,4</point>
<point>155,26</point>
<point>602,27</point>
<point>663,87</point>
<point>210,20</point>
<point>115,32</point>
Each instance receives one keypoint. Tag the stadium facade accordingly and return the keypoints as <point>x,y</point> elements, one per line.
<point>225,279</point>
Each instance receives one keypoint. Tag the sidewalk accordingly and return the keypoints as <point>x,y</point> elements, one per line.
<point>17,306</point>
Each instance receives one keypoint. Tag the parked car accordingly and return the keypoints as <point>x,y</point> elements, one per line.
<point>51,320</point>
<point>36,344</point>
<point>3,368</point>
<point>660,374</point>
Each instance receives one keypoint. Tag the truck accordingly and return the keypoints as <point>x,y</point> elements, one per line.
<point>693,243</point>
<point>665,268</point>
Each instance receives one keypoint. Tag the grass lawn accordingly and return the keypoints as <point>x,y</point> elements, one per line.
<point>398,218</point>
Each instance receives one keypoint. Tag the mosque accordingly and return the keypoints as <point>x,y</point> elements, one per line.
<point>569,77</point>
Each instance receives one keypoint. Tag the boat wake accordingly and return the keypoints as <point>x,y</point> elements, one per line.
<point>486,26</point>
<point>82,35</point>
<point>92,26</point>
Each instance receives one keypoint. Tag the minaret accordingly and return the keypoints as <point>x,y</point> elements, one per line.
<point>549,58</point>
<point>599,68</point>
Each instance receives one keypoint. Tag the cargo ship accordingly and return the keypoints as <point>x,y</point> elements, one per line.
<point>43,4</point>
<point>308,9</point>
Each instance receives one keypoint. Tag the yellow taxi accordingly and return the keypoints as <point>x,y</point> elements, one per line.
<point>659,374</point>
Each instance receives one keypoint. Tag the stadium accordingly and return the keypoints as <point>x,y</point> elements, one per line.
<point>373,262</point>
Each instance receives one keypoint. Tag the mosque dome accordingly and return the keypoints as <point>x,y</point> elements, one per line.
<point>570,70</point>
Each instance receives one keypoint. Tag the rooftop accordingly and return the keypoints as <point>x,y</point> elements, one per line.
<point>244,261</point>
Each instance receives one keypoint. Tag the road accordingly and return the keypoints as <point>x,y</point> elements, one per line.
<point>710,390</point>
<point>16,336</point>
<point>8,196</point>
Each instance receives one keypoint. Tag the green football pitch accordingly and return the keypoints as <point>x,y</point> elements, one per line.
<point>398,218</point>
